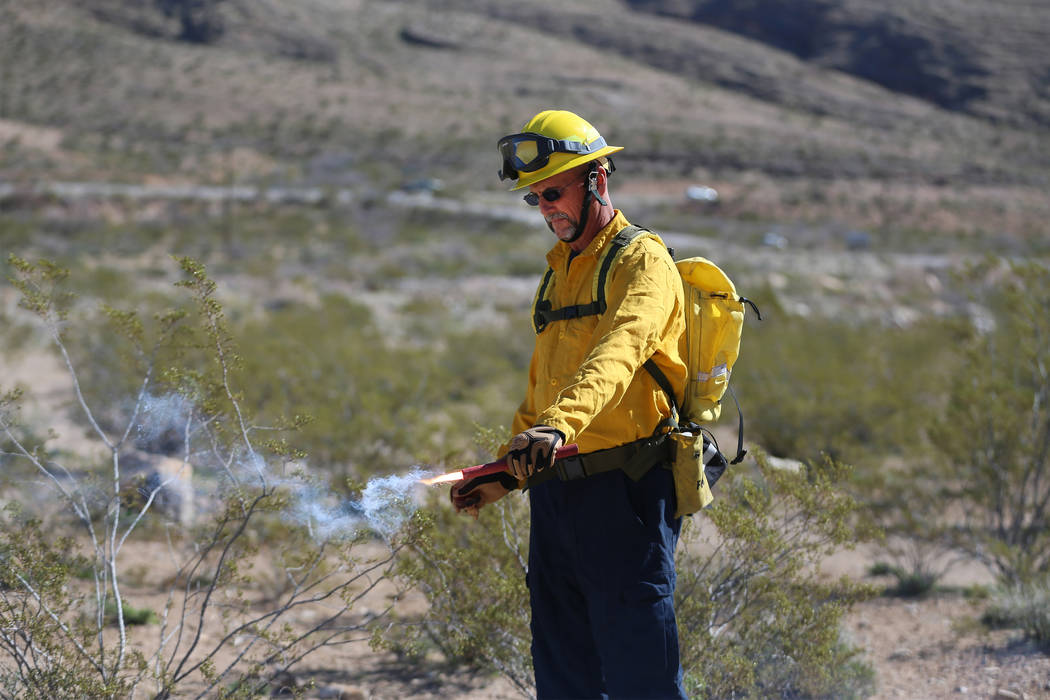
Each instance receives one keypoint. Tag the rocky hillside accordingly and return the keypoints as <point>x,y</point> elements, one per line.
<point>990,60</point>
<point>366,91</point>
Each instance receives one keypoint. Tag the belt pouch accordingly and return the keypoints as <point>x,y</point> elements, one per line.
<point>691,489</point>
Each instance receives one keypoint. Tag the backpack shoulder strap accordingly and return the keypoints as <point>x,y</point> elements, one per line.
<point>626,236</point>
<point>543,314</point>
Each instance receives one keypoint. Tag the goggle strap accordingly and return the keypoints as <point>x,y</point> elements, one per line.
<point>547,145</point>
<point>577,146</point>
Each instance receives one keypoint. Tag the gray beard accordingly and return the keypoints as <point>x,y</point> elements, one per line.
<point>575,230</point>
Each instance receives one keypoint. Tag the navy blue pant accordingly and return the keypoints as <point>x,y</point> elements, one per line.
<point>601,582</point>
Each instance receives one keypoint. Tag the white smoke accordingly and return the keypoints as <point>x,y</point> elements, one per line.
<point>384,506</point>
<point>388,502</point>
<point>160,414</point>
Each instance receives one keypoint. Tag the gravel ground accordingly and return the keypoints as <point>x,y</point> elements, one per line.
<point>918,651</point>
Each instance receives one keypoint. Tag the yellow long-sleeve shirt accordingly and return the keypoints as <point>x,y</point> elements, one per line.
<point>586,377</point>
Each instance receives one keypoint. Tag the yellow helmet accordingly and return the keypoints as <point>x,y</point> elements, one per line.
<point>550,143</point>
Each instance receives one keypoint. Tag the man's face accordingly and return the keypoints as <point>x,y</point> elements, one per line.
<point>562,215</point>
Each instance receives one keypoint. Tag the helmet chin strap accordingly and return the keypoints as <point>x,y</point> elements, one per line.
<point>585,209</point>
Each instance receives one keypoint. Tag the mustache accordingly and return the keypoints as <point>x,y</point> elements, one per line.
<point>557,215</point>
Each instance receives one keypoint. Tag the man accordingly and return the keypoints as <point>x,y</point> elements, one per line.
<point>603,533</point>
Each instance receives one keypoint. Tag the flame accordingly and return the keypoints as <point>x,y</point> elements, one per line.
<point>443,479</point>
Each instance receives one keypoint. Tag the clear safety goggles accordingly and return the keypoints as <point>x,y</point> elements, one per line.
<point>526,153</point>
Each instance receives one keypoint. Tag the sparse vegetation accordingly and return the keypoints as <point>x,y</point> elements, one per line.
<point>911,583</point>
<point>1023,606</point>
<point>815,386</point>
<point>848,418</point>
<point>376,331</point>
<point>64,582</point>
<point>993,442</point>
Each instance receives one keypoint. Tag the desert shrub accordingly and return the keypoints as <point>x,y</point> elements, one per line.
<point>379,393</point>
<point>64,583</point>
<point>916,550</point>
<point>869,395</point>
<point>131,614</point>
<point>913,582</point>
<point>35,590</point>
<point>754,618</point>
<point>474,581</point>
<point>1024,606</point>
<point>10,465</point>
<point>991,479</point>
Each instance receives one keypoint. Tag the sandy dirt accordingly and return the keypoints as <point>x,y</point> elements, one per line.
<point>920,649</point>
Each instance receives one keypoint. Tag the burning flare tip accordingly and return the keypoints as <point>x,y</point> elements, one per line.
<point>443,478</point>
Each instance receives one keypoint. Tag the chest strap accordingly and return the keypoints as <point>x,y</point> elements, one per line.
<point>543,314</point>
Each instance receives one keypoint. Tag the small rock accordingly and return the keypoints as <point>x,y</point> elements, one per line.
<point>341,692</point>
<point>283,685</point>
<point>900,655</point>
<point>962,689</point>
<point>785,464</point>
<point>1006,694</point>
<point>167,480</point>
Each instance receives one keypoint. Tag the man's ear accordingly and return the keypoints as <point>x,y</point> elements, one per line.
<point>603,180</point>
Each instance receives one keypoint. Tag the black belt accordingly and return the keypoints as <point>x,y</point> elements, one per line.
<point>635,459</point>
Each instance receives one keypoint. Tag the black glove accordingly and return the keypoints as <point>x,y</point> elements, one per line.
<point>533,450</point>
<point>480,491</point>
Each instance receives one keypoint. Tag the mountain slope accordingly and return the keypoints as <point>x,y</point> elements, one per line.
<point>345,91</point>
<point>991,60</point>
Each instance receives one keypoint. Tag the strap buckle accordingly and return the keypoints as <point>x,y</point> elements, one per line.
<point>540,316</point>
<point>570,468</point>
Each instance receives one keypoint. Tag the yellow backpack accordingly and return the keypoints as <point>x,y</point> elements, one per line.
<point>714,321</point>
<point>710,345</point>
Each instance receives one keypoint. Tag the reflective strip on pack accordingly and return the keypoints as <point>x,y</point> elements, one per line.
<point>716,371</point>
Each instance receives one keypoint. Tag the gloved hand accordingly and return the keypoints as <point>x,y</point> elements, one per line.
<point>533,450</point>
<point>472,494</point>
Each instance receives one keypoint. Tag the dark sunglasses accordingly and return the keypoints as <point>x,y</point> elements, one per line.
<point>526,153</point>
<point>551,194</point>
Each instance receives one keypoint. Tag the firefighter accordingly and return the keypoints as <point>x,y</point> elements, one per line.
<point>602,537</point>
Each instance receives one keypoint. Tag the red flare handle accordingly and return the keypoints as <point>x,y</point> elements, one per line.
<point>500,465</point>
